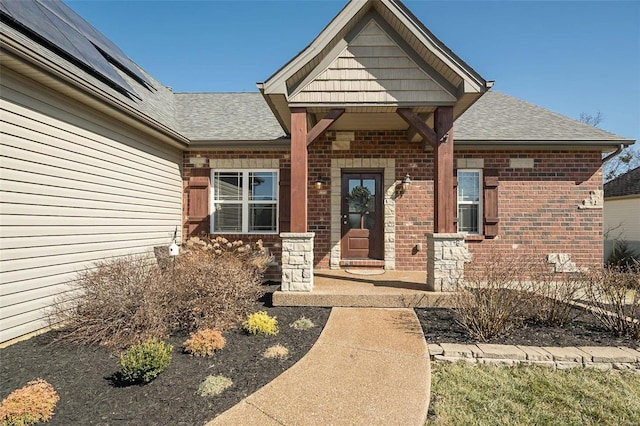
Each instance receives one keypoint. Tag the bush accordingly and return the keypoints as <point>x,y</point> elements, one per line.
<point>121,301</point>
<point>214,385</point>
<point>494,299</point>
<point>276,351</point>
<point>143,362</point>
<point>116,303</point>
<point>215,283</point>
<point>302,323</point>
<point>261,324</point>
<point>204,342</point>
<point>624,257</point>
<point>614,297</point>
<point>31,404</point>
<point>554,295</point>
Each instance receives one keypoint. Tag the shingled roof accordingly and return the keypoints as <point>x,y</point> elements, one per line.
<point>500,117</point>
<point>226,117</point>
<point>623,185</point>
<point>495,117</point>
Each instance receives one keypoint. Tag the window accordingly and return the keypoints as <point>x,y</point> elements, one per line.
<point>244,201</point>
<point>469,201</point>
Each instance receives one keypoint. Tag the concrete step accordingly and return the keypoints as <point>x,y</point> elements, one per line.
<point>393,289</point>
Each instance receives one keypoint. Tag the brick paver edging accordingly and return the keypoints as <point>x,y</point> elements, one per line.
<point>604,358</point>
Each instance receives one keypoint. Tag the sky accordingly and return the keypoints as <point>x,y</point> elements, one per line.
<point>571,57</point>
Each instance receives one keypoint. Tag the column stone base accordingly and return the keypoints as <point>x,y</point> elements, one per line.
<point>446,256</point>
<point>297,261</point>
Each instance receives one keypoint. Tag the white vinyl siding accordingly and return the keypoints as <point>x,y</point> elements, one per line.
<point>621,223</point>
<point>75,187</point>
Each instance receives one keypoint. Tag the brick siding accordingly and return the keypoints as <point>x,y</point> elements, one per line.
<point>538,207</point>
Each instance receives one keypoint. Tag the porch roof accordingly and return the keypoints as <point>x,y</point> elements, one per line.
<point>375,56</point>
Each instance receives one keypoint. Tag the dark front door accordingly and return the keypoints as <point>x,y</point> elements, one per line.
<point>362,208</point>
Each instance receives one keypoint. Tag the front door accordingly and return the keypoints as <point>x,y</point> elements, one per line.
<point>362,208</point>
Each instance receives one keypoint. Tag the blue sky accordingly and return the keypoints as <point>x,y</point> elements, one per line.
<point>567,56</point>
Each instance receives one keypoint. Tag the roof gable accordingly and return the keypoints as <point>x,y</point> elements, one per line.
<point>289,86</point>
<point>373,68</point>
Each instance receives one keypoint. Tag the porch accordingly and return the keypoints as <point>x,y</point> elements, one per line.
<point>391,289</point>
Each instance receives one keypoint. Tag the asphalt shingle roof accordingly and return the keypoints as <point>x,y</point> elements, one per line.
<point>500,117</point>
<point>626,184</point>
<point>226,117</point>
<point>494,117</point>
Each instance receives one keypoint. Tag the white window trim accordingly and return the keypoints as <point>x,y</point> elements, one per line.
<point>245,202</point>
<point>480,203</point>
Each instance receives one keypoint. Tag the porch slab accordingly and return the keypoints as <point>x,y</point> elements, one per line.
<point>393,289</point>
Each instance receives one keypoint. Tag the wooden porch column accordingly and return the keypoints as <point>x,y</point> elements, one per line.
<point>444,209</point>
<point>299,170</point>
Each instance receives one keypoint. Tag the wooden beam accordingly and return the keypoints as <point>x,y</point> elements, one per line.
<point>418,125</point>
<point>444,209</point>
<point>411,132</point>
<point>299,170</point>
<point>322,125</point>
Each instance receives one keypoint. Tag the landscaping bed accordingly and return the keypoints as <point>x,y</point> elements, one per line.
<point>83,375</point>
<point>440,326</point>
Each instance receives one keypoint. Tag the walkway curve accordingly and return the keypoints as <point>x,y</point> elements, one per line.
<point>370,366</point>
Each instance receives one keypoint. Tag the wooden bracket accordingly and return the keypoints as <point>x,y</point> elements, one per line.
<point>417,124</point>
<point>322,125</point>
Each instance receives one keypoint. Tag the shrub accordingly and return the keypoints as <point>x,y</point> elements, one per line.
<point>302,323</point>
<point>143,362</point>
<point>204,342</point>
<point>122,301</point>
<point>494,299</point>
<point>277,351</point>
<point>614,297</point>
<point>214,385</point>
<point>215,283</point>
<point>624,257</point>
<point>31,404</point>
<point>261,324</point>
<point>554,295</point>
<point>115,303</point>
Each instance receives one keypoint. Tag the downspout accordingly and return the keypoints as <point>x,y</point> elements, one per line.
<point>613,154</point>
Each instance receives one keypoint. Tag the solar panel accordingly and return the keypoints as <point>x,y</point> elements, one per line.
<point>54,23</point>
<point>95,37</point>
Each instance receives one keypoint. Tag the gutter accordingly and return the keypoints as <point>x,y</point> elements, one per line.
<point>613,154</point>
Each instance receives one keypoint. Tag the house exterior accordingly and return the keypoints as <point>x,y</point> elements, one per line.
<point>622,212</point>
<point>376,146</point>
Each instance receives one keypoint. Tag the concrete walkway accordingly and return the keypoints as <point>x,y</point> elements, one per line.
<point>370,366</point>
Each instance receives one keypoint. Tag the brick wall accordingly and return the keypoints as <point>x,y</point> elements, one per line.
<point>538,206</point>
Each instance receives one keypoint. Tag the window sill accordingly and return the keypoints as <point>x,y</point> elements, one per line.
<point>473,237</point>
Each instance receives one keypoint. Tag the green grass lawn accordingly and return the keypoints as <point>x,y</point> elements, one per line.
<point>466,394</point>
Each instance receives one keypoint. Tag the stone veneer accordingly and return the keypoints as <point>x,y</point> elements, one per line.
<point>388,165</point>
<point>446,256</point>
<point>297,261</point>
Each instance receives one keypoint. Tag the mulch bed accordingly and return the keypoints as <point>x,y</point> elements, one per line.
<point>440,326</point>
<point>81,375</point>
